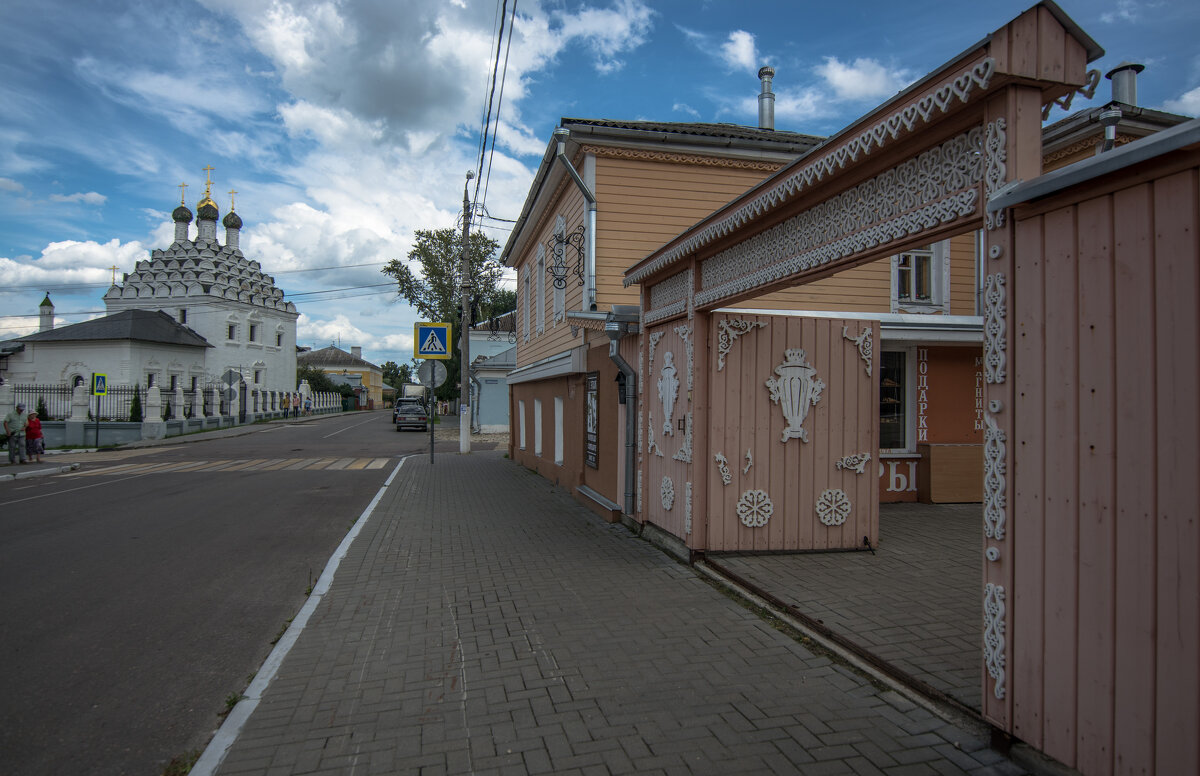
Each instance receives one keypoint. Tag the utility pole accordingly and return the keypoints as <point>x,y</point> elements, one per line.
<point>464,340</point>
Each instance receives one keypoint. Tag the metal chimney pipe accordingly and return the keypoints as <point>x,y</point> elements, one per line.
<point>766,99</point>
<point>1124,82</point>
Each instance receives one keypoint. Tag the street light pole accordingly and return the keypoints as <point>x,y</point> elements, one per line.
<point>464,341</point>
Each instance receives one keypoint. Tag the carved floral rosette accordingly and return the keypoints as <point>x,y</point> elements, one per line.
<point>833,507</point>
<point>754,508</point>
<point>666,492</point>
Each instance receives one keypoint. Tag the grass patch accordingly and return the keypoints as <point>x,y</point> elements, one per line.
<point>182,764</point>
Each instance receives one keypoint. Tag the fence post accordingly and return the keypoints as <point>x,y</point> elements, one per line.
<point>153,426</point>
<point>177,406</point>
<point>76,423</point>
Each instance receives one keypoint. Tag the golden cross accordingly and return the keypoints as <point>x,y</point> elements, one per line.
<point>231,193</point>
<point>207,178</point>
<point>114,269</point>
<point>182,187</point>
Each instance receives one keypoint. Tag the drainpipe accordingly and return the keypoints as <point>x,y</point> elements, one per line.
<point>1109,118</point>
<point>475,427</point>
<point>562,134</point>
<point>616,330</point>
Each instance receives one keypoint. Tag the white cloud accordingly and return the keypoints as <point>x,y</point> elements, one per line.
<point>1188,103</point>
<point>71,261</point>
<point>683,107</point>
<point>1126,11</point>
<point>862,79</point>
<point>8,184</point>
<point>90,198</point>
<point>739,52</point>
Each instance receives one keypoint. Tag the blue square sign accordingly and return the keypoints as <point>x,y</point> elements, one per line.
<point>431,340</point>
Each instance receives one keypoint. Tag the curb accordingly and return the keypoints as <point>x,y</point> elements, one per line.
<point>39,472</point>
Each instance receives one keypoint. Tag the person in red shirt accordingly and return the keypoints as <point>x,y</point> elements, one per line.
<point>35,444</point>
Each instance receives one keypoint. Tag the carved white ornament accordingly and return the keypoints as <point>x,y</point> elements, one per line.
<point>993,635</point>
<point>857,462</point>
<point>728,331</point>
<point>995,337</point>
<point>687,507</point>
<point>668,391</point>
<point>833,507</point>
<point>685,452</point>
<point>749,461</point>
<point>866,345</point>
<point>639,489</point>
<point>668,298</point>
<point>723,468</point>
<point>651,445</point>
<point>996,151</point>
<point>754,508</point>
<point>1088,90</point>
<point>654,338</point>
<point>667,492</point>
<point>796,388</point>
<point>685,334</point>
<point>924,192</point>
<point>994,470</point>
<point>992,553</point>
<point>813,172</point>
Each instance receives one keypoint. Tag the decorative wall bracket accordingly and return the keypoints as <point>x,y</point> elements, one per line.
<point>796,388</point>
<point>865,343</point>
<point>723,468</point>
<point>728,331</point>
<point>1087,91</point>
<point>566,257</point>
<point>993,635</point>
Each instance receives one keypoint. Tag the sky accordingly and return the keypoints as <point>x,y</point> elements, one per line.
<point>345,126</point>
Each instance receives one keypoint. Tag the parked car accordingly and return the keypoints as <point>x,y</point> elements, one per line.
<point>410,414</point>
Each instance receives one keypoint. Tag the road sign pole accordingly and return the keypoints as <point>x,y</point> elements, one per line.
<point>464,342</point>
<point>430,414</point>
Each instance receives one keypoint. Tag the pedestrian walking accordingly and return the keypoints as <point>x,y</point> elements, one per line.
<point>307,405</point>
<point>14,425</point>
<point>35,443</point>
<point>295,405</point>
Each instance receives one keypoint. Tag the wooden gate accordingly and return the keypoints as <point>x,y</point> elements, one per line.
<point>792,433</point>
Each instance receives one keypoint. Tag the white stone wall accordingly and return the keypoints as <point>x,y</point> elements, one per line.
<point>125,362</point>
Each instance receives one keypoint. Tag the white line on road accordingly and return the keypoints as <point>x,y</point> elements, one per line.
<point>347,428</point>
<point>72,490</point>
<point>228,733</point>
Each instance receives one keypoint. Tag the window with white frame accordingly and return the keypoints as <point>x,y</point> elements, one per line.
<point>541,288</point>
<point>528,307</point>
<point>558,430</point>
<point>560,294</point>
<point>521,421</point>
<point>919,279</point>
<point>537,427</point>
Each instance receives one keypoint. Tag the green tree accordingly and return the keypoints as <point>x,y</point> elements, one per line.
<point>395,374</point>
<point>434,288</point>
<point>319,382</point>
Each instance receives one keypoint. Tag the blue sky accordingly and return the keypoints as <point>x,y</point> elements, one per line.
<point>346,126</point>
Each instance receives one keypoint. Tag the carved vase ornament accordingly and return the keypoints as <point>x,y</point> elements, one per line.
<point>796,388</point>
<point>668,389</point>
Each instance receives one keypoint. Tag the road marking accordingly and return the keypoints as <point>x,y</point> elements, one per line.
<point>347,428</point>
<point>240,465</point>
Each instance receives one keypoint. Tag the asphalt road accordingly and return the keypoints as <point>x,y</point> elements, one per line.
<point>147,587</point>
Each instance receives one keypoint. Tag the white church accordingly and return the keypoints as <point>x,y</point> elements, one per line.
<point>192,316</point>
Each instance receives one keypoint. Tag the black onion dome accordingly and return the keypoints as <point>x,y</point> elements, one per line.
<point>181,213</point>
<point>232,220</point>
<point>207,210</point>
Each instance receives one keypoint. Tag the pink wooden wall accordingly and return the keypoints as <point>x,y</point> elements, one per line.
<point>1105,606</point>
<point>666,456</point>
<point>743,419</point>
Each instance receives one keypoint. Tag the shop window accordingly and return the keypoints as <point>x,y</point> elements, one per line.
<point>537,427</point>
<point>558,430</point>
<point>521,421</point>
<point>893,400</point>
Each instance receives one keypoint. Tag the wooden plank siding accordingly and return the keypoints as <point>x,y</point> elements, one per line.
<point>747,429</point>
<point>1105,621</point>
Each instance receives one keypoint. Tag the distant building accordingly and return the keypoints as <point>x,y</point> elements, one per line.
<point>334,361</point>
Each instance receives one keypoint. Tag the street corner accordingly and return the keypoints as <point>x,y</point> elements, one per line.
<point>24,474</point>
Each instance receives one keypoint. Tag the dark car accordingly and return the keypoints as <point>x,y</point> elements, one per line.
<point>410,414</point>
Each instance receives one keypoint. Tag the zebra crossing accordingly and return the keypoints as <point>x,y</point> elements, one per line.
<point>244,465</point>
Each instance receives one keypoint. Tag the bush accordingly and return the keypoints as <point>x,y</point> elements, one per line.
<point>135,406</point>
<point>42,412</point>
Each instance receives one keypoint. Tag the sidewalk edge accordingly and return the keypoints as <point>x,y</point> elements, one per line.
<point>231,728</point>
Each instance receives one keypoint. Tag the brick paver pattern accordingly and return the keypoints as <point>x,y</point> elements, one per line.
<point>917,603</point>
<point>484,622</point>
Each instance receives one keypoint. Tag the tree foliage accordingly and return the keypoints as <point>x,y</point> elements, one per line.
<point>430,281</point>
<point>396,375</point>
<point>319,382</point>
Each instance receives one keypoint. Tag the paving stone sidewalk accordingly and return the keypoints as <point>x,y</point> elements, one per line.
<point>484,622</point>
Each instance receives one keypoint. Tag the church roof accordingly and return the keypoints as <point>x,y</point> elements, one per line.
<point>332,357</point>
<point>139,325</point>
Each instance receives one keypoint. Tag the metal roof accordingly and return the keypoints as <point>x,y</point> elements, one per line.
<point>139,325</point>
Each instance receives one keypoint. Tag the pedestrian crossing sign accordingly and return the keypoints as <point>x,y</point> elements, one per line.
<point>431,340</point>
<point>99,384</point>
